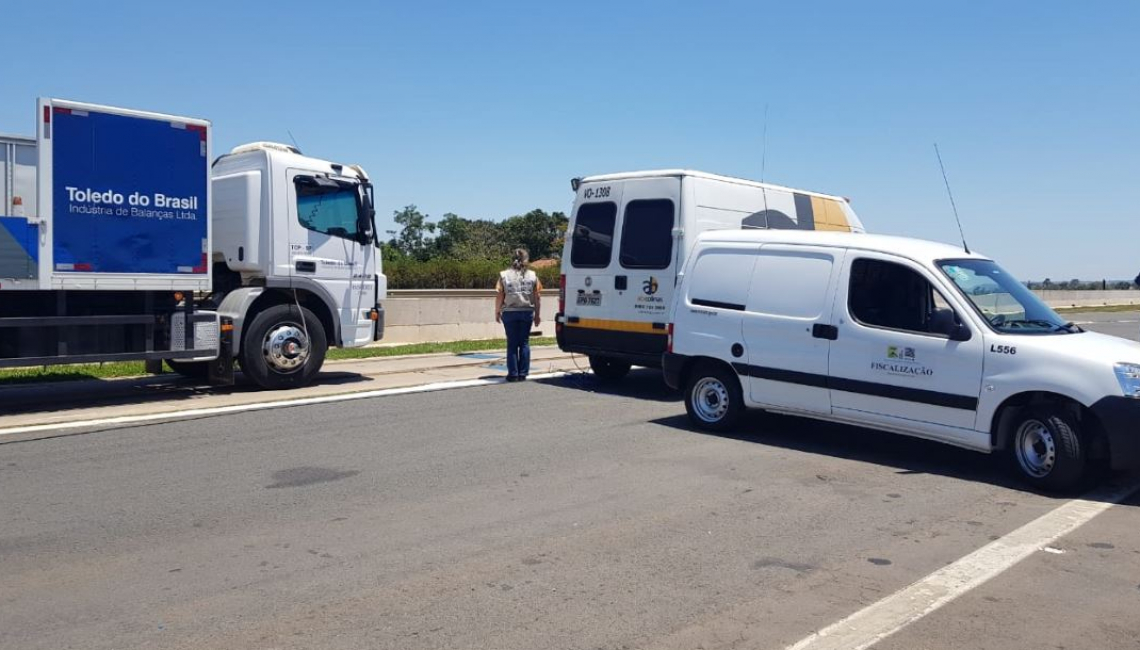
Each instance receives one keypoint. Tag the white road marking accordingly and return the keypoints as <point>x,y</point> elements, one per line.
<point>876,622</point>
<point>260,406</point>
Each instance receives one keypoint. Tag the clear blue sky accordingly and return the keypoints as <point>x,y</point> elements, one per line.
<point>488,109</point>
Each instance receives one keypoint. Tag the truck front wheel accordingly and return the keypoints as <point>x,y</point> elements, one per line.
<point>284,347</point>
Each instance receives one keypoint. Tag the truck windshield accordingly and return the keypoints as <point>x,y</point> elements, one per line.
<point>328,207</point>
<point>1008,305</point>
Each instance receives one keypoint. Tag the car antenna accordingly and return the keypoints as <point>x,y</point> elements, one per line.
<point>951,195</point>
<point>764,147</point>
<point>294,140</point>
<point>764,163</point>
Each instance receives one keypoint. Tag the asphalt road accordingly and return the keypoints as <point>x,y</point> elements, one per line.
<point>555,514</point>
<point>1125,324</point>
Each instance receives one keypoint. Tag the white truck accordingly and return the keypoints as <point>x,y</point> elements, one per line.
<point>121,240</point>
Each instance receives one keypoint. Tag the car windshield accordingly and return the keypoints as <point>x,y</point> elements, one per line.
<point>1007,304</point>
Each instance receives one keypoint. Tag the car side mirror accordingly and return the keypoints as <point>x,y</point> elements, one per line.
<point>945,322</point>
<point>959,332</point>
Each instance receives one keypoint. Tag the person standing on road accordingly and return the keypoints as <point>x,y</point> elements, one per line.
<point>518,304</point>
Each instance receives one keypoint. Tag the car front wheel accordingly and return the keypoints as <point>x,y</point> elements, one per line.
<point>1046,450</point>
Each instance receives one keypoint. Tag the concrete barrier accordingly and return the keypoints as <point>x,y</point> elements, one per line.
<point>419,316</point>
<point>1065,298</point>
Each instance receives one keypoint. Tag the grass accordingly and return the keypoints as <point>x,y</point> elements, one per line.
<point>39,374</point>
<point>1097,309</point>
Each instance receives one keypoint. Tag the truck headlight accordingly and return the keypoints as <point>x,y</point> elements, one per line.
<point>1128,374</point>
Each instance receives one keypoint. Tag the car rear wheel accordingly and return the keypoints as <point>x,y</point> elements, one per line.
<point>1046,450</point>
<point>609,369</point>
<point>713,398</point>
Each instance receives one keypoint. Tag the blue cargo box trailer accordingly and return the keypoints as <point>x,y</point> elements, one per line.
<point>103,261</point>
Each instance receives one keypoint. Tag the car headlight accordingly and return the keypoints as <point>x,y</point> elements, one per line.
<point>1128,374</point>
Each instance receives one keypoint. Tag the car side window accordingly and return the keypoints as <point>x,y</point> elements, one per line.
<point>892,296</point>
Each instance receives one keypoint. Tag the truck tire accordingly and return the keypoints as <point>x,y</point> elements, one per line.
<point>713,397</point>
<point>1046,450</point>
<point>275,352</point>
<point>196,370</point>
<point>609,369</point>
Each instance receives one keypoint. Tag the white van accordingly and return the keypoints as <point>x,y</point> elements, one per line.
<point>628,238</point>
<point>902,335</point>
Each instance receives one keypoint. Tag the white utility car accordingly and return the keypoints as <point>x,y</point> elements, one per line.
<point>903,335</point>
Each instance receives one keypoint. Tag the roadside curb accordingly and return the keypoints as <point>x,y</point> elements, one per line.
<point>166,377</point>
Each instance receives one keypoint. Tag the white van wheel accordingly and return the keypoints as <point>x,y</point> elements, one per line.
<point>714,400</point>
<point>1046,450</point>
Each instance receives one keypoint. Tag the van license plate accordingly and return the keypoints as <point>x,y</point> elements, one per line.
<point>590,300</point>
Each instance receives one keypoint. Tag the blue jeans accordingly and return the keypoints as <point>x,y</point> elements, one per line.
<point>518,324</point>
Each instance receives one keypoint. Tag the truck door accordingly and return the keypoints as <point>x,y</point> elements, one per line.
<point>888,365</point>
<point>788,327</point>
<point>326,246</point>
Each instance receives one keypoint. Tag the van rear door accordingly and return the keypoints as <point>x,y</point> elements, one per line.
<point>589,262</point>
<point>646,260</point>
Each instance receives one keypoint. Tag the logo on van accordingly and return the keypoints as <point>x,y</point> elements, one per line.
<point>649,287</point>
<point>901,361</point>
<point>893,352</point>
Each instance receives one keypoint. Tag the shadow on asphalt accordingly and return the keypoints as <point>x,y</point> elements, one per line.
<point>641,383</point>
<point>908,456</point>
<point>63,397</point>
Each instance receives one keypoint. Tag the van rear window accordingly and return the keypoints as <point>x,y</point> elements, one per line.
<point>592,242</point>
<point>647,234</point>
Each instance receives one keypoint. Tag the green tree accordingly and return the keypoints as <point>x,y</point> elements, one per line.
<point>484,240</point>
<point>537,231</point>
<point>414,237</point>
<point>451,232</point>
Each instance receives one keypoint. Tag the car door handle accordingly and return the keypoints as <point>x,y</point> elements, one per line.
<point>306,267</point>
<point>621,282</point>
<point>821,331</point>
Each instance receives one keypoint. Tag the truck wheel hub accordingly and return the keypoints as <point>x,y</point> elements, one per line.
<point>286,348</point>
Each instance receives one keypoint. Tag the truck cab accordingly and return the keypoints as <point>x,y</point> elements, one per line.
<point>288,224</point>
